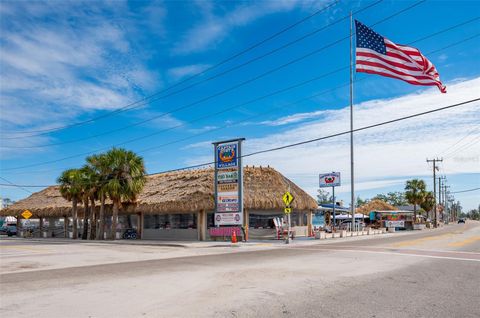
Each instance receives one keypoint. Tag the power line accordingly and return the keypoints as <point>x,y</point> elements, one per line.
<point>229,89</point>
<point>367,127</point>
<point>196,75</point>
<point>449,148</point>
<point>234,87</point>
<point>469,190</point>
<point>465,146</point>
<point>320,138</point>
<point>14,185</point>
<point>283,90</point>
<point>148,149</point>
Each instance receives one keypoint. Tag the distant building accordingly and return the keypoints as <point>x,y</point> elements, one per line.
<point>5,203</point>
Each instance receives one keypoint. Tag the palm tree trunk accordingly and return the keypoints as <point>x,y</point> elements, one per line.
<point>75,220</point>
<point>65,226</point>
<point>85,220</point>
<point>101,225</point>
<point>414,213</point>
<point>93,220</point>
<point>114,221</point>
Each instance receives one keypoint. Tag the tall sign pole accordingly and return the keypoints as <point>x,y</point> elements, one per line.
<point>352,174</point>
<point>333,207</point>
<point>331,179</point>
<point>228,182</point>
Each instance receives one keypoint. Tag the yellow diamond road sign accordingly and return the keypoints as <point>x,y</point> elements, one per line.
<point>27,214</point>
<point>287,198</point>
<point>288,210</point>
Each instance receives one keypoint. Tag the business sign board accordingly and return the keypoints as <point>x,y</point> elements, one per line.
<point>228,183</point>
<point>394,223</point>
<point>227,155</point>
<point>227,197</point>
<point>228,207</point>
<point>228,218</point>
<point>227,177</point>
<point>227,187</point>
<point>331,179</point>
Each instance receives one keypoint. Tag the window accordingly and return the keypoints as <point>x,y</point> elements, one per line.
<point>171,221</point>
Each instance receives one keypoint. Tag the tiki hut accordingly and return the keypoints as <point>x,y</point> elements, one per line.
<point>179,205</point>
<point>375,205</point>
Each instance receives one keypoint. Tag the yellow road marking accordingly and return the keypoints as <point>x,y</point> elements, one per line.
<point>422,240</point>
<point>467,241</point>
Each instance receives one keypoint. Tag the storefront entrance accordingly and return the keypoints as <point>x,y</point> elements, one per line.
<point>181,227</point>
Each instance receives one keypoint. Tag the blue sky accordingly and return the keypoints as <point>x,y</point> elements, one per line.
<point>67,62</point>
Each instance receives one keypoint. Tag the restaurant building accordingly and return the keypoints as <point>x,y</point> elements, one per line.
<point>178,206</point>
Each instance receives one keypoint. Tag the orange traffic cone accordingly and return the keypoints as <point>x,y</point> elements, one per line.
<point>234,236</point>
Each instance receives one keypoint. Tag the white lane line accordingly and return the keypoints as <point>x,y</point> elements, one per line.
<point>408,249</point>
<point>394,253</point>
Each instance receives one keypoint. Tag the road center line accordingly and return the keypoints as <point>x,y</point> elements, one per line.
<point>467,241</point>
<point>383,248</point>
<point>392,253</point>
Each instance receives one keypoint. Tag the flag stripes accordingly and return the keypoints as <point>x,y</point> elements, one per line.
<point>378,55</point>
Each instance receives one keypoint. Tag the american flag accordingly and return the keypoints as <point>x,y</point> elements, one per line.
<point>378,55</point>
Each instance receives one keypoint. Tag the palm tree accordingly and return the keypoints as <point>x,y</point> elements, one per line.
<point>125,181</point>
<point>415,194</point>
<point>71,189</point>
<point>89,193</point>
<point>428,202</point>
<point>100,164</point>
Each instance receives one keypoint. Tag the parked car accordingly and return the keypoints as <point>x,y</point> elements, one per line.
<point>9,230</point>
<point>461,221</point>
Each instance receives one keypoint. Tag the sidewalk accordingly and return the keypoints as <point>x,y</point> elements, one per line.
<point>301,241</point>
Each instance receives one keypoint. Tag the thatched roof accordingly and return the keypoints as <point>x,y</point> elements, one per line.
<point>182,191</point>
<point>375,205</point>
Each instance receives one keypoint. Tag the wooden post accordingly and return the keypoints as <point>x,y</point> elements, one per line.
<point>246,218</point>
<point>140,224</point>
<point>246,222</point>
<point>309,222</point>
<point>41,226</point>
<point>300,219</point>
<point>19,226</point>
<point>202,225</point>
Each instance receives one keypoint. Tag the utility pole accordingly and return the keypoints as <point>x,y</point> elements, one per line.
<point>440,190</point>
<point>445,193</point>
<point>440,195</point>
<point>435,168</point>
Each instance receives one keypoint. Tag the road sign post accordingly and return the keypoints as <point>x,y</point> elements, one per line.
<point>26,214</point>
<point>288,199</point>
<point>331,179</point>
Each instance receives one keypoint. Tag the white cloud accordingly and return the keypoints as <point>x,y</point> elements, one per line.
<point>203,129</point>
<point>182,71</point>
<point>60,60</point>
<point>384,156</point>
<point>215,27</point>
<point>442,57</point>
<point>295,118</point>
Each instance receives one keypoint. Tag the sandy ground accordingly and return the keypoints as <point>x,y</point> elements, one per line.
<point>429,274</point>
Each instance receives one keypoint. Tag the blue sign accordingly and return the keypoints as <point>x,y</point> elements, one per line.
<point>227,156</point>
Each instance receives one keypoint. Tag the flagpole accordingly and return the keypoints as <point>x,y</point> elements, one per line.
<point>352,177</point>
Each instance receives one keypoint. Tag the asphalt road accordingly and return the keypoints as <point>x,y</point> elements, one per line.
<point>425,274</point>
